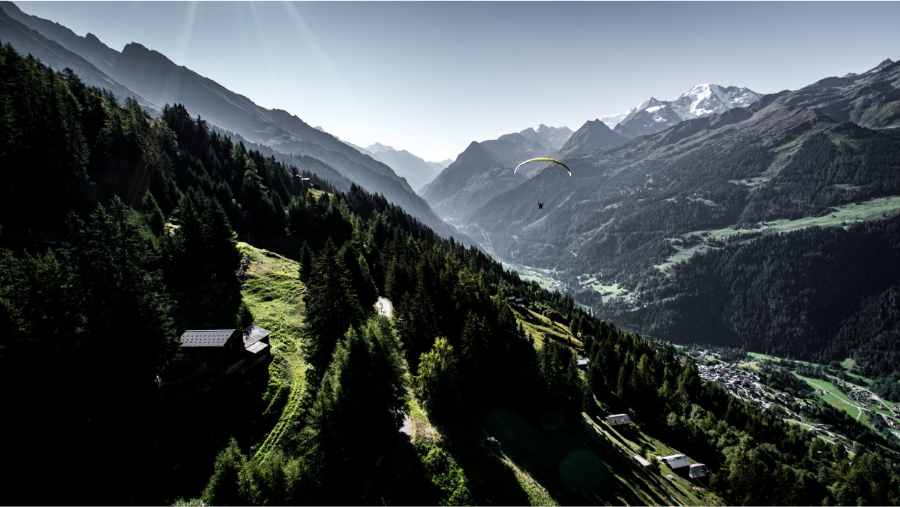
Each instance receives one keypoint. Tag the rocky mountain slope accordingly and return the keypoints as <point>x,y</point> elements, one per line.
<point>417,171</point>
<point>592,137</point>
<point>485,170</point>
<point>701,100</point>
<point>790,155</point>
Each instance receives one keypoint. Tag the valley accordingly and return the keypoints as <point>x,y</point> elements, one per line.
<point>206,300</point>
<point>771,383</point>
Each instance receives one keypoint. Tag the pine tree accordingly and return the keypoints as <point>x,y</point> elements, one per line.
<point>225,485</point>
<point>306,262</point>
<point>363,383</point>
<point>331,308</point>
<point>437,382</point>
<point>154,216</point>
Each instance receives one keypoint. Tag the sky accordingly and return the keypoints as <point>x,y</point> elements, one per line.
<point>433,77</point>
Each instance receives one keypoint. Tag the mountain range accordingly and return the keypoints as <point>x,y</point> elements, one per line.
<point>155,80</point>
<point>788,155</point>
<point>417,171</point>
<point>701,100</point>
<point>482,175</point>
<point>618,231</point>
<point>485,170</point>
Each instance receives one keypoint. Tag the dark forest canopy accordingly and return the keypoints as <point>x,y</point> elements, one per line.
<point>822,294</point>
<point>118,231</point>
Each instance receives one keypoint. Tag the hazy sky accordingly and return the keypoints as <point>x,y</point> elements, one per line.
<point>432,77</point>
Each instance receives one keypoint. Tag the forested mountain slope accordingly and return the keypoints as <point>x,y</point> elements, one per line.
<point>96,284</point>
<point>821,293</point>
<point>161,81</point>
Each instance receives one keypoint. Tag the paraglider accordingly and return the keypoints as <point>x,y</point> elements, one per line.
<point>544,159</point>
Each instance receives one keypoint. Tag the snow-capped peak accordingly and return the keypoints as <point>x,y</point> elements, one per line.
<point>702,99</point>
<point>705,99</point>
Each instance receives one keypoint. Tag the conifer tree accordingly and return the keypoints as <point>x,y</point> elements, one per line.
<point>437,382</point>
<point>363,383</point>
<point>331,308</point>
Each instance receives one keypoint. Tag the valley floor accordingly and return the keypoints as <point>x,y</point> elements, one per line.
<point>831,387</point>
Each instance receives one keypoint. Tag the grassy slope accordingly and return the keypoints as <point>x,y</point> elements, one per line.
<point>571,453</point>
<point>274,294</point>
<point>832,395</point>
<point>840,216</point>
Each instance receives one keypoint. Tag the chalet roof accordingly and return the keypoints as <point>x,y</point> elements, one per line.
<point>697,470</point>
<point>676,460</point>
<point>257,347</point>
<point>254,334</point>
<point>206,337</point>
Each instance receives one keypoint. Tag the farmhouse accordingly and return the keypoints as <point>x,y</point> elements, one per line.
<point>618,419</point>
<point>209,357</point>
<point>697,471</point>
<point>675,461</point>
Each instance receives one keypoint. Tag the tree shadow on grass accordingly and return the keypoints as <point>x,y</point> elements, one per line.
<point>559,453</point>
<point>490,481</point>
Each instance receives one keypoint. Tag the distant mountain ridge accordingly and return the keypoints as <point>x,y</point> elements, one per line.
<point>29,41</point>
<point>416,170</point>
<point>157,79</point>
<point>593,136</point>
<point>701,100</point>
<point>485,170</point>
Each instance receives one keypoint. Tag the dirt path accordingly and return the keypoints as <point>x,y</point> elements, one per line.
<point>384,307</point>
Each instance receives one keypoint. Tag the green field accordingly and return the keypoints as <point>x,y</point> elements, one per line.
<point>829,391</point>
<point>831,394</point>
<point>538,326</point>
<point>676,489</point>
<point>274,294</point>
<point>697,242</point>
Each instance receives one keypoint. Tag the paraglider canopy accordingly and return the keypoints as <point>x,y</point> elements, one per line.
<point>543,159</point>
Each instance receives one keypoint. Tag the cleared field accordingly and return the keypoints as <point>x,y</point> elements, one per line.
<point>274,294</point>
<point>832,395</point>
<point>657,483</point>
<point>607,291</point>
<point>697,242</point>
<point>833,391</point>
<point>538,326</point>
<point>546,278</point>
